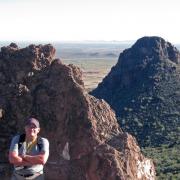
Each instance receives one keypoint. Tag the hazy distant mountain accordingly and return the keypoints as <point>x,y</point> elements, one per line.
<point>144,90</point>
<point>95,50</point>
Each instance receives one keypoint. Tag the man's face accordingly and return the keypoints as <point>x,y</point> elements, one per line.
<point>31,130</point>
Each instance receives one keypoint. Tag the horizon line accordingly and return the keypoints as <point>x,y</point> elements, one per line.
<point>74,41</point>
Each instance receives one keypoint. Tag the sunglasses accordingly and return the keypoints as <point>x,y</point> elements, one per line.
<point>32,126</point>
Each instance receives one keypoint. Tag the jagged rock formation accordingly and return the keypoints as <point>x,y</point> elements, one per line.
<point>144,90</point>
<point>86,142</point>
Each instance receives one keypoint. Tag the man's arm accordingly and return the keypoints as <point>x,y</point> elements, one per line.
<point>36,159</point>
<point>40,158</point>
<point>15,159</point>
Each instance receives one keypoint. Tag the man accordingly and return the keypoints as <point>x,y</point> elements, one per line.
<point>29,155</point>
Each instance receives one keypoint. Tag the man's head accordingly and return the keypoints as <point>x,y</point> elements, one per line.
<point>32,128</point>
<point>32,121</point>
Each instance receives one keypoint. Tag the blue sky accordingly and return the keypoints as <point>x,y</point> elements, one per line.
<point>76,20</point>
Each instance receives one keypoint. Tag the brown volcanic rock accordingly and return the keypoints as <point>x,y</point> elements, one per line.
<point>86,142</point>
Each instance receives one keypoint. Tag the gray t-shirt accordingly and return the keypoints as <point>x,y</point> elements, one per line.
<point>34,151</point>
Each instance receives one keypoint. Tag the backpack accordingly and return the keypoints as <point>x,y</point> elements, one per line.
<point>22,138</point>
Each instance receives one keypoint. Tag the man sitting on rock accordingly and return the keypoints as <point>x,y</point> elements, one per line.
<point>28,153</point>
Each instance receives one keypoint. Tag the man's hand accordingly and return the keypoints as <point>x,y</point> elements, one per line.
<point>15,159</point>
<point>36,159</point>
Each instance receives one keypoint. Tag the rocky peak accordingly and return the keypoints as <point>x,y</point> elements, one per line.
<point>19,64</point>
<point>86,142</point>
<point>149,49</point>
<point>11,52</point>
<point>143,89</point>
<point>14,45</point>
<point>157,47</point>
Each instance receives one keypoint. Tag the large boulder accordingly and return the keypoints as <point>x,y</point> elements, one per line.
<point>86,142</point>
<point>144,90</point>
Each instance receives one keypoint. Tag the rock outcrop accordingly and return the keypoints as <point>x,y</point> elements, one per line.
<point>144,90</point>
<point>86,142</point>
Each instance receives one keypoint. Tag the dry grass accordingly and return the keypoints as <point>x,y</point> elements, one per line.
<point>94,70</point>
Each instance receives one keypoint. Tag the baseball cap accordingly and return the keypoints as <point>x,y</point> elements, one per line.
<point>34,121</point>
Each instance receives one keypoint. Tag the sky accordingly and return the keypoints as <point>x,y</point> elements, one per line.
<point>93,20</point>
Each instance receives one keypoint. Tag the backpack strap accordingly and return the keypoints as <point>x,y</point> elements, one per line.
<point>22,138</point>
<point>39,143</point>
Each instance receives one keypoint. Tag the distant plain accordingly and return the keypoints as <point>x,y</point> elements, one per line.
<point>94,59</point>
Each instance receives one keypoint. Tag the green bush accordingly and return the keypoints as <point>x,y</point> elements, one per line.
<point>166,160</point>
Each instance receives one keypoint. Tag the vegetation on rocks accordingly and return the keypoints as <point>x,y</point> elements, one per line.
<point>166,159</point>
<point>144,90</point>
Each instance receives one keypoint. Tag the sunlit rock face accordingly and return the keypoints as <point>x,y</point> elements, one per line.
<point>86,142</point>
<point>144,90</point>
